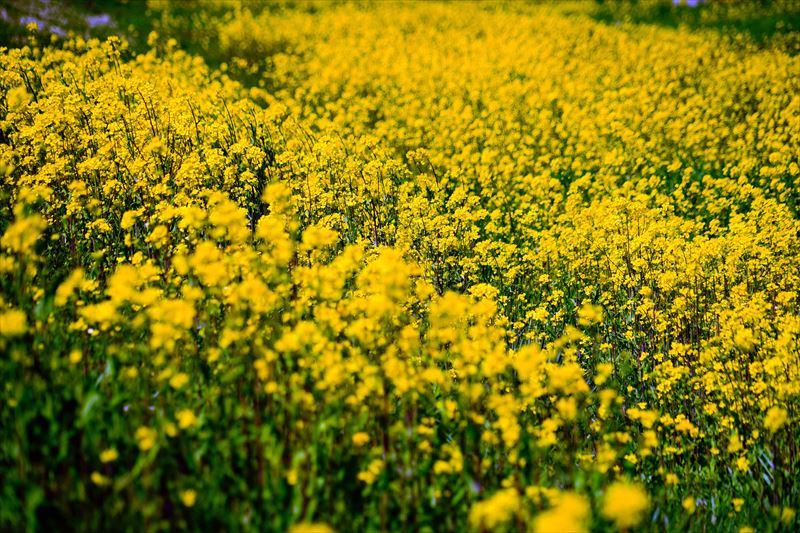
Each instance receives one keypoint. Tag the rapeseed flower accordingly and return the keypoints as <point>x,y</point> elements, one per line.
<point>188,497</point>
<point>13,322</point>
<point>109,455</point>
<point>497,510</point>
<point>775,418</point>
<point>625,504</point>
<point>186,419</point>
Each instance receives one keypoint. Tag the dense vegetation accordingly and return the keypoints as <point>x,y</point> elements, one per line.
<point>402,266</point>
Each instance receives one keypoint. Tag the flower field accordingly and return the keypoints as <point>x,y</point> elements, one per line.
<point>333,266</point>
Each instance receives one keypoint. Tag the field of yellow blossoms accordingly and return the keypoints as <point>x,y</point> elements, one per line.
<point>381,266</point>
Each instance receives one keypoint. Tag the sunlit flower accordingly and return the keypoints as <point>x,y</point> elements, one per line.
<point>625,504</point>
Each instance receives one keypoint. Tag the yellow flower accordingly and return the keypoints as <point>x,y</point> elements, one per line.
<point>188,497</point>
<point>146,438</point>
<point>17,97</point>
<point>186,419</point>
<point>625,504</point>
<point>370,475</point>
<point>735,444</point>
<point>360,438</point>
<point>102,312</point>
<point>744,339</point>
<point>495,511</point>
<point>66,289</point>
<point>13,323</point>
<point>129,218</point>
<point>569,515</point>
<point>742,463</point>
<point>278,196</point>
<point>317,236</point>
<point>604,371</point>
<point>179,380</point>
<point>99,479</point>
<point>567,408</point>
<point>775,419</point>
<point>123,284</point>
<point>23,233</point>
<point>690,504</point>
<point>109,456</point>
<point>590,314</point>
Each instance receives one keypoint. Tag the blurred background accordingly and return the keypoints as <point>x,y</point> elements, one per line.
<point>767,22</point>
